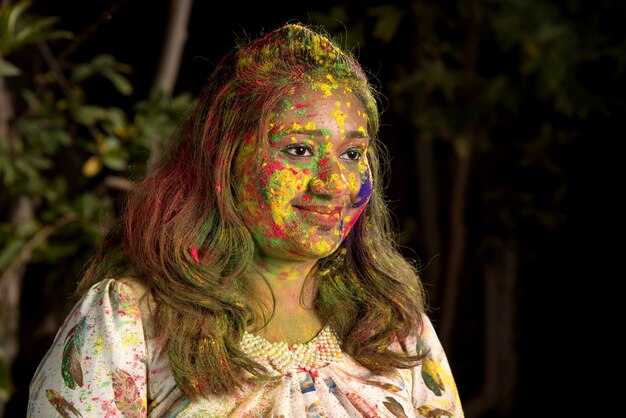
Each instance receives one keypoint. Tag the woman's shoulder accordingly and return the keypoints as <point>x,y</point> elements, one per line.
<point>140,291</point>
<point>120,288</point>
<point>124,296</point>
<point>434,388</point>
<point>422,338</point>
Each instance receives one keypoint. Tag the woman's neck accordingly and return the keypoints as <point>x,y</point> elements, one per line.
<point>286,278</point>
<point>281,293</point>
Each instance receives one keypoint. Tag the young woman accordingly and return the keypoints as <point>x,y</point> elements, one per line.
<point>254,271</point>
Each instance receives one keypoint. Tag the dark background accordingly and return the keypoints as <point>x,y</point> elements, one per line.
<point>555,240</point>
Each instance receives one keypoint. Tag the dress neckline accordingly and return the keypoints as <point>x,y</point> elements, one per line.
<point>280,357</point>
<point>323,329</point>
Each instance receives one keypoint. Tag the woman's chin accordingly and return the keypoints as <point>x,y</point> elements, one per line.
<point>312,250</point>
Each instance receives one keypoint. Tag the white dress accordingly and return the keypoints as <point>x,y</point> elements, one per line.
<point>105,362</point>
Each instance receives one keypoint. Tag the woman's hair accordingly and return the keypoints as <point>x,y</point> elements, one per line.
<point>181,233</point>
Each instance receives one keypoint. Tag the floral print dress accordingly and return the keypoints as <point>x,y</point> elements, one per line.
<point>106,362</point>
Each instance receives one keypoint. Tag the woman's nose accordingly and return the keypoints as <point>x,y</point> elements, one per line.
<point>330,179</point>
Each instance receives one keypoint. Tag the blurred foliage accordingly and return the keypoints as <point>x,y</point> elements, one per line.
<point>6,384</point>
<point>18,29</point>
<point>68,154</point>
<point>518,83</point>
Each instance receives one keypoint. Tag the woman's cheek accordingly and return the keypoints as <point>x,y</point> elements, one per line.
<point>285,185</point>
<point>250,196</point>
<point>364,192</point>
<point>354,183</point>
<point>361,190</point>
<point>351,220</point>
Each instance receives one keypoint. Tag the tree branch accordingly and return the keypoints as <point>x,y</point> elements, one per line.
<point>93,28</point>
<point>24,255</point>
<point>165,79</point>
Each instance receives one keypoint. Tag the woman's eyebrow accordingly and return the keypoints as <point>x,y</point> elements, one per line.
<point>355,134</point>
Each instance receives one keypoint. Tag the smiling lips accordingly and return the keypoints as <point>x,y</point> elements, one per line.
<point>321,214</point>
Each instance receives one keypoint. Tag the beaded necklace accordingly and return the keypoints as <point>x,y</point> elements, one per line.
<point>322,350</point>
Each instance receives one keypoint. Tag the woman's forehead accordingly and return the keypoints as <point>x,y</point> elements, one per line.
<point>320,90</point>
<point>306,101</point>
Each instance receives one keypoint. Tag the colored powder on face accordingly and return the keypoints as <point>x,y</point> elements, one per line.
<point>323,247</point>
<point>324,87</point>
<point>340,117</point>
<point>276,133</point>
<point>365,192</point>
<point>274,128</point>
<point>350,221</point>
<point>270,168</point>
<point>279,233</point>
<point>279,194</point>
<point>342,226</point>
<point>323,162</point>
<point>300,110</point>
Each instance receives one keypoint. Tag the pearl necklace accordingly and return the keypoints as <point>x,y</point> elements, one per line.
<point>318,352</point>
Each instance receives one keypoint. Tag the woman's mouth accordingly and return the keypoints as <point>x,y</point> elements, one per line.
<point>322,215</point>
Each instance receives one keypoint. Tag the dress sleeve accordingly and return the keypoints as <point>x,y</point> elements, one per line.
<point>96,366</point>
<point>434,392</point>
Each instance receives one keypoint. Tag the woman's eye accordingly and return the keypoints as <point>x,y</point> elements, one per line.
<point>353,154</point>
<point>299,150</point>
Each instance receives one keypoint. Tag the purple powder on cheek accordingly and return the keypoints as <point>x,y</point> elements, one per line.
<point>365,191</point>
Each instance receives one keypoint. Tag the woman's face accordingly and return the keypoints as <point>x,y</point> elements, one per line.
<point>314,180</point>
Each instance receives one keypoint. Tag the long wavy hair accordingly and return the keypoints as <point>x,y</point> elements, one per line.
<point>181,234</point>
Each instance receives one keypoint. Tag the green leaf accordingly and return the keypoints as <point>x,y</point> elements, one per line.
<point>102,61</point>
<point>27,228</point>
<point>31,98</point>
<point>116,116</point>
<point>6,384</point>
<point>9,252</point>
<point>116,161</point>
<point>55,252</point>
<point>388,18</point>
<point>37,30</point>
<point>81,72</point>
<point>11,15</point>
<point>89,115</point>
<point>7,69</point>
<point>110,144</point>
<point>23,165</point>
<point>120,82</point>
<point>7,171</point>
<point>87,204</point>
<point>39,163</point>
<point>18,28</point>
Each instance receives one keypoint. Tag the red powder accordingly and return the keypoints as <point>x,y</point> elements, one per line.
<point>278,233</point>
<point>348,227</point>
<point>194,253</point>
<point>271,167</point>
